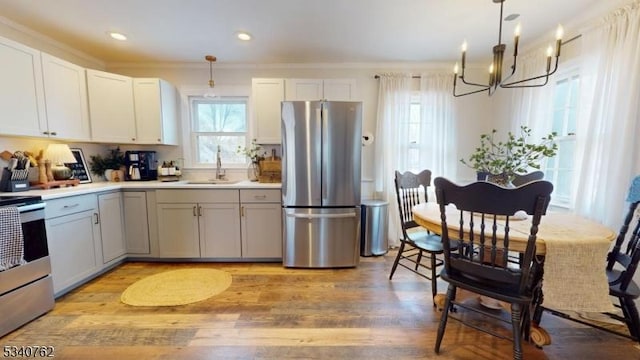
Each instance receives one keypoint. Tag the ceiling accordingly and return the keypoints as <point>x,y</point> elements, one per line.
<point>290,31</point>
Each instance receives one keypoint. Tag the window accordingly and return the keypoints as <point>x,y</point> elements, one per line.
<point>413,131</point>
<point>559,169</point>
<point>218,122</point>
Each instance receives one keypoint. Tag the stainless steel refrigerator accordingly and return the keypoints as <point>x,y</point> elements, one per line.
<point>321,146</point>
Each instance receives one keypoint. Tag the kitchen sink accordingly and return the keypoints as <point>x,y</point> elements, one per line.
<point>213,181</point>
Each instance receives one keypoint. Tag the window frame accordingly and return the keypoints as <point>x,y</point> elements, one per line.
<point>220,91</point>
<point>570,73</point>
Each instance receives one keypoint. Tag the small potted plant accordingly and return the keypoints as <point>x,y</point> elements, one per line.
<point>501,161</point>
<point>253,153</point>
<point>105,166</point>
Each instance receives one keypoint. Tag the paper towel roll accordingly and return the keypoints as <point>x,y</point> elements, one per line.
<point>367,139</point>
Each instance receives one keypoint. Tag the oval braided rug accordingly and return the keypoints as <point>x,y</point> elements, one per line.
<point>176,287</point>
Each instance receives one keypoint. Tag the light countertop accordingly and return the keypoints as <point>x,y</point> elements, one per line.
<point>82,189</point>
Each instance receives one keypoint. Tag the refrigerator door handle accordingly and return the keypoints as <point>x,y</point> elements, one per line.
<point>322,216</point>
<point>322,115</point>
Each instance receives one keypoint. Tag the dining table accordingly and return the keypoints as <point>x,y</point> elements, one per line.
<point>570,249</point>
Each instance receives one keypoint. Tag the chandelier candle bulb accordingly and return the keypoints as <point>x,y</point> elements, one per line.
<point>549,52</point>
<point>516,40</point>
<point>464,54</point>
<point>559,34</point>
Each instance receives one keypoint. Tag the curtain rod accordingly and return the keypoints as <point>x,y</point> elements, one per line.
<point>563,43</point>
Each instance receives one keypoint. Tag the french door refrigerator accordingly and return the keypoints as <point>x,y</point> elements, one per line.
<point>321,146</point>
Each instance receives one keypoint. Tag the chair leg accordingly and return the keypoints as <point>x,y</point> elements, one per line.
<point>395,263</point>
<point>434,283</point>
<point>419,259</point>
<point>451,295</point>
<point>632,318</point>
<point>516,316</point>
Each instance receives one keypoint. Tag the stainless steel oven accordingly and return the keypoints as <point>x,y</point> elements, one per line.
<point>26,291</point>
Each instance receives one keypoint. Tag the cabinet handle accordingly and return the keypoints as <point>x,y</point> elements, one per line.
<point>194,211</point>
<point>45,132</point>
<point>260,197</point>
<point>159,140</point>
<point>97,217</point>
<point>54,133</point>
<point>133,139</point>
<point>70,206</point>
<point>241,211</point>
<point>199,210</point>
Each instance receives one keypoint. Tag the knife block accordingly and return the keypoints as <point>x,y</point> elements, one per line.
<point>16,180</point>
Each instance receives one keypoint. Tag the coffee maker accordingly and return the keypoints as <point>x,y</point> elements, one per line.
<point>141,165</point>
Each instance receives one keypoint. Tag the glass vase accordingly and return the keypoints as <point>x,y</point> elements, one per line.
<point>253,171</point>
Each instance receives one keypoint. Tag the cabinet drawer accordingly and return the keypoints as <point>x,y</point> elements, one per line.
<point>260,196</point>
<point>70,205</point>
<point>197,196</point>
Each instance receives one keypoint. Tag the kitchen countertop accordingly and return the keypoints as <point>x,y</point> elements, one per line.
<point>138,185</point>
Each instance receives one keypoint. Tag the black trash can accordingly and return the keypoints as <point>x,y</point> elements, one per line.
<point>374,223</point>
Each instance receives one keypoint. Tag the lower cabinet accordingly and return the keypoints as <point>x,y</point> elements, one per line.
<point>136,222</point>
<point>198,223</point>
<point>111,226</point>
<point>73,236</point>
<point>261,218</point>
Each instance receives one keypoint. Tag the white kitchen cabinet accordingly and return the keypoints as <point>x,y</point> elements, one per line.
<point>65,88</point>
<point>320,89</point>
<point>156,111</point>
<point>136,226</point>
<point>21,90</point>
<point>266,96</point>
<point>261,218</point>
<point>73,236</point>
<point>111,107</point>
<point>198,223</point>
<point>111,226</point>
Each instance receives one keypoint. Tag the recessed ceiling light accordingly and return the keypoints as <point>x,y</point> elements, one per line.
<point>243,36</point>
<point>118,36</point>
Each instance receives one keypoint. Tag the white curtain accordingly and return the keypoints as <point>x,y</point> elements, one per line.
<point>437,138</point>
<point>394,101</point>
<point>608,127</point>
<point>532,106</point>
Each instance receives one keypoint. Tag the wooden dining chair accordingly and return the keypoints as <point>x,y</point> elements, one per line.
<point>480,265</point>
<point>520,180</point>
<point>411,190</point>
<point>622,264</point>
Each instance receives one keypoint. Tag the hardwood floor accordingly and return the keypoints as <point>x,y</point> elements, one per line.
<point>270,312</point>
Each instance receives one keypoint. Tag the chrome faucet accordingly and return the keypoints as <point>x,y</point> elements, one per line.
<point>219,172</point>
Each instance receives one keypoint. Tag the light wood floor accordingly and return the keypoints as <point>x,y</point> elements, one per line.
<point>274,313</point>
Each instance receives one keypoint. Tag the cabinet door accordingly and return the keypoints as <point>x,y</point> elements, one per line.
<point>136,227</point>
<point>178,230</point>
<point>220,230</point>
<point>261,230</point>
<point>339,89</point>
<point>111,107</point>
<point>156,111</point>
<point>74,248</point>
<point>65,88</point>
<point>267,95</point>
<point>111,226</point>
<point>21,90</point>
<point>303,89</point>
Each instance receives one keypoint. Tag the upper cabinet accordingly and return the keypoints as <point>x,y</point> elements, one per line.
<point>65,89</point>
<point>320,89</point>
<point>156,111</point>
<point>111,107</point>
<point>267,95</point>
<point>21,90</point>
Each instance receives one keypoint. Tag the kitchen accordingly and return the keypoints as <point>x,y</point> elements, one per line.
<point>236,80</point>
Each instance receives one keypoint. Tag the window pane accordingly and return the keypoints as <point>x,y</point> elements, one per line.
<point>565,154</point>
<point>558,121</point>
<point>207,148</point>
<point>212,116</point>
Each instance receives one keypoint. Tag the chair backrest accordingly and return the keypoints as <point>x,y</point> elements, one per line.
<point>630,257</point>
<point>409,194</point>
<point>484,212</point>
<point>520,180</point>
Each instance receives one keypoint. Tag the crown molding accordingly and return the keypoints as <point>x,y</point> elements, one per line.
<point>39,36</point>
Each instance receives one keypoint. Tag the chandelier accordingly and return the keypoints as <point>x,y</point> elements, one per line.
<point>496,68</point>
<point>211,59</point>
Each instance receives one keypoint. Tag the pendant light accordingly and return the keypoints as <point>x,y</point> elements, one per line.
<point>211,59</point>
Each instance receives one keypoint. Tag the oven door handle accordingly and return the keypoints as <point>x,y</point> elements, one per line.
<point>31,207</point>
